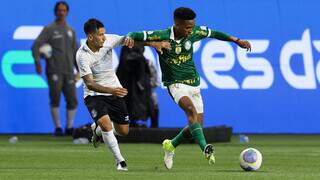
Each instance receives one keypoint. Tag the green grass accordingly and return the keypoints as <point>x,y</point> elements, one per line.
<point>46,157</point>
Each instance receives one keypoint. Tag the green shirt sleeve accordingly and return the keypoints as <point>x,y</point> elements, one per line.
<point>202,32</point>
<point>159,35</point>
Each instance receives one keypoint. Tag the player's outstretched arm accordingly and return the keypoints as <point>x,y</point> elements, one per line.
<point>159,35</point>
<point>224,37</point>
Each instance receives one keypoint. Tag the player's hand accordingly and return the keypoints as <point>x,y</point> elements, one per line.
<point>159,46</point>
<point>120,92</point>
<point>38,68</point>
<point>77,77</point>
<point>244,44</point>
<point>128,41</point>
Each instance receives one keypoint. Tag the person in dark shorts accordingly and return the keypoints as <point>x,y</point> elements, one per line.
<point>57,44</point>
<point>103,92</point>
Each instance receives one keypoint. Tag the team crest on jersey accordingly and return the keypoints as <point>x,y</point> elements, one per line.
<point>187,45</point>
<point>178,50</point>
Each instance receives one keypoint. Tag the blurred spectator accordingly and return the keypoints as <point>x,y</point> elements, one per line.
<point>139,77</point>
<point>57,44</point>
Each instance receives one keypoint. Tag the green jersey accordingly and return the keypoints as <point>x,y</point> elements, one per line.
<point>177,64</point>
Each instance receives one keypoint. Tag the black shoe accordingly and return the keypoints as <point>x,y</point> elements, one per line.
<point>68,131</point>
<point>122,166</point>
<point>58,132</point>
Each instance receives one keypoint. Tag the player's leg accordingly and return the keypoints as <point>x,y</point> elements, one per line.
<point>194,126</point>
<point>184,95</point>
<point>69,91</point>
<point>185,133</point>
<point>120,129</point>
<point>119,119</point>
<point>198,103</point>
<point>111,141</point>
<point>177,92</point>
<point>55,87</point>
<point>98,107</point>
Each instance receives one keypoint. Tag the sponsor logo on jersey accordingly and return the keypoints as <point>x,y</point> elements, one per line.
<point>178,50</point>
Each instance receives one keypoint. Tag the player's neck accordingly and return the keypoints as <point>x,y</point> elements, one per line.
<point>61,21</point>
<point>177,36</point>
<point>92,47</point>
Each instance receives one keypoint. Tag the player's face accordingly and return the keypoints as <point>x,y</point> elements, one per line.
<point>98,38</point>
<point>184,27</point>
<point>61,12</point>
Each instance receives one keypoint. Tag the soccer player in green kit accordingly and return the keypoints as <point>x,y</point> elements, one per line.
<point>181,77</point>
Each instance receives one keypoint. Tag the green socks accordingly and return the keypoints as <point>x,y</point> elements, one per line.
<point>176,141</point>
<point>197,134</point>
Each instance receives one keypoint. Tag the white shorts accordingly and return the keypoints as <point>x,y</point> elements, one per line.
<point>179,90</point>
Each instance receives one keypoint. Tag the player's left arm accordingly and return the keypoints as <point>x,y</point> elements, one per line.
<point>225,37</point>
<point>205,32</point>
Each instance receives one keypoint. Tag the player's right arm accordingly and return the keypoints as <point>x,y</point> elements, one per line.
<point>156,39</point>
<point>159,35</point>
<point>86,75</point>
<point>40,40</point>
<point>93,86</point>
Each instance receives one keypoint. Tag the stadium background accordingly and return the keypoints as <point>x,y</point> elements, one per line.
<point>284,98</point>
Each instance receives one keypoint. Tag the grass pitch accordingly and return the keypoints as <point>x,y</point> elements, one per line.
<point>46,157</point>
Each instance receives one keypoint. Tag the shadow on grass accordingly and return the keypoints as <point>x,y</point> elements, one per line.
<point>238,171</point>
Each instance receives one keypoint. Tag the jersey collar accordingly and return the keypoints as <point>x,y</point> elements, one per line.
<point>172,36</point>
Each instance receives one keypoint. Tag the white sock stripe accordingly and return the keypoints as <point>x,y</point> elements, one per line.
<point>209,32</point>
<point>144,35</point>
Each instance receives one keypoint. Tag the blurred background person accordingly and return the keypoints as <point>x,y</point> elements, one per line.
<point>58,45</point>
<point>139,76</point>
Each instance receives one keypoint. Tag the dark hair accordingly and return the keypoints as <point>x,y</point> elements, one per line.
<point>59,3</point>
<point>92,25</point>
<point>184,13</point>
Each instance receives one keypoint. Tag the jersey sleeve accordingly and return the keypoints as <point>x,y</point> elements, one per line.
<point>205,32</point>
<point>113,40</point>
<point>159,35</point>
<point>83,64</point>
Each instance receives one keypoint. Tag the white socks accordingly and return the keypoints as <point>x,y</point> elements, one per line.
<point>111,141</point>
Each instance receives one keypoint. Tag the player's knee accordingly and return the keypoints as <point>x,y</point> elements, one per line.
<point>72,104</point>
<point>106,127</point>
<point>191,111</point>
<point>54,103</point>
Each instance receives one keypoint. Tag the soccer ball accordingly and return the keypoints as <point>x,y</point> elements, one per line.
<point>46,51</point>
<point>250,159</point>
